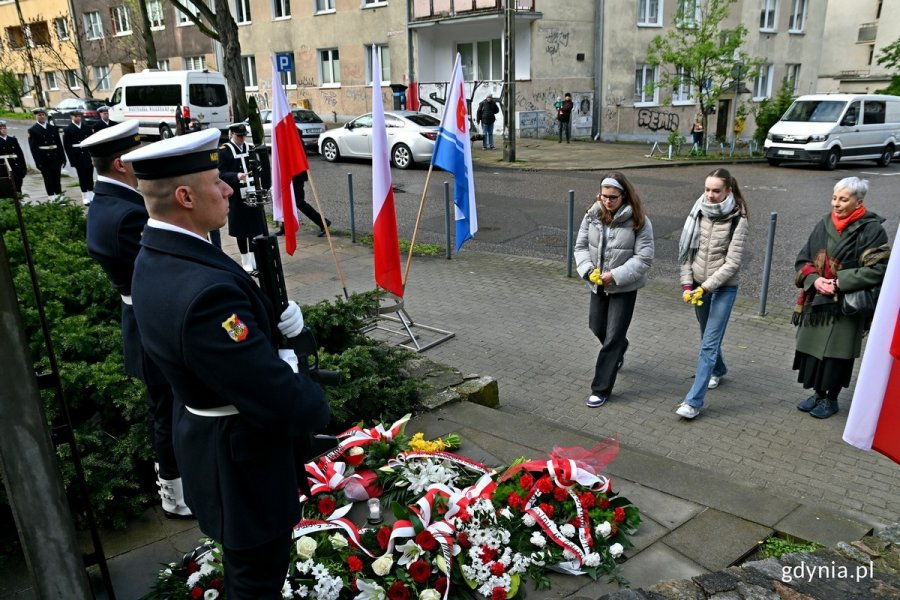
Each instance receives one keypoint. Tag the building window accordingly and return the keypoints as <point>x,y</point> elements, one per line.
<point>645,85</point>
<point>93,26</point>
<point>62,28</point>
<point>481,60</point>
<point>183,18</point>
<point>51,80</point>
<point>163,64</point>
<point>101,76</point>
<point>15,37</point>
<point>768,16</point>
<point>798,16</point>
<point>156,15</point>
<point>288,78</point>
<point>25,83</point>
<point>330,67</point>
<point>374,3</point>
<point>324,6</point>
<point>72,79</point>
<point>40,34</point>
<point>118,16</point>
<point>649,14</point>
<point>385,55</point>
<point>684,89</point>
<point>248,67</point>
<point>241,11</point>
<point>762,87</point>
<point>688,13</point>
<point>194,63</point>
<point>281,9</point>
<point>793,78</point>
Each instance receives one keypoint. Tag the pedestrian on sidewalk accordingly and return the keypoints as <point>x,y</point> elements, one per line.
<point>711,250</point>
<point>47,152</point>
<point>613,253</point>
<point>11,154</point>
<point>486,116</point>
<point>564,108</point>
<point>697,132</point>
<point>299,184</point>
<point>73,134</point>
<point>846,251</point>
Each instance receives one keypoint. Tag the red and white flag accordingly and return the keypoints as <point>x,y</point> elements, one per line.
<point>874,419</point>
<point>384,219</point>
<point>288,161</point>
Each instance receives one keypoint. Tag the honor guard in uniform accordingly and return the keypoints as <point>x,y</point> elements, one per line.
<point>244,222</point>
<point>104,122</point>
<point>239,403</point>
<point>47,152</point>
<point>73,134</point>
<point>11,153</point>
<point>114,227</point>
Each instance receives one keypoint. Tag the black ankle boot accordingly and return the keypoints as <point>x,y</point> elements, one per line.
<point>810,403</point>
<point>825,408</point>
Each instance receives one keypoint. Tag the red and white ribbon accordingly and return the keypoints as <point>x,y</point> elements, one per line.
<point>335,521</point>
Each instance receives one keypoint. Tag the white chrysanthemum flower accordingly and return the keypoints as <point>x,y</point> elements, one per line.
<point>319,571</point>
<point>206,568</point>
<point>603,529</point>
<point>567,530</point>
<point>528,520</point>
<point>302,591</point>
<point>506,513</point>
<point>568,555</point>
<point>616,550</point>
<point>538,539</point>
<point>286,590</point>
<point>193,579</point>
<point>592,560</point>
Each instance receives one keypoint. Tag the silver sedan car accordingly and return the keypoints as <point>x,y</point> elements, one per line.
<point>411,137</point>
<point>309,125</point>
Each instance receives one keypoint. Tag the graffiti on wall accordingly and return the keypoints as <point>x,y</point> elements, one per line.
<point>554,38</point>
<point>433,96</point>
<point>655,120</point>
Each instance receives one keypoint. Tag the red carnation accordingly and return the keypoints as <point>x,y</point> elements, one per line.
<point>440,584</point>
<point>560,494</point>
<point>325,505</point>
<point>548,509</point>
<point>515,501</point>
<point>354,564</point>
<point>398,591</point>
<point>420,571</point>
<point>498,593</point>
<point>545,486</point>
<point>462,538</point>
<point>464,515</point>
<point>619,514</point>
<point>526,481</point>
<point>588,500</point>
<point>192,568</point>
<point>426,540</point>
<point>383,536</point>
<point>197,592</point>
<point>216,583</point>
<point>497,569</point>
<point>604,502</point>
<point>487,554</point>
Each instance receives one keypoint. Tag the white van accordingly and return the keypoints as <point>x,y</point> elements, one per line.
<point>829,128</point>
<point>152,96</point>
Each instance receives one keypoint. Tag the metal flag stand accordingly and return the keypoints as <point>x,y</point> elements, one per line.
<point>408,329</point>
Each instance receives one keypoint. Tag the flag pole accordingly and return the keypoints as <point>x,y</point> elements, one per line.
<point>337,263</point>
<point>412,242</point>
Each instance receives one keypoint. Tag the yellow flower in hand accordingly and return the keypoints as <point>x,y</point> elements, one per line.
<point>595,277</point>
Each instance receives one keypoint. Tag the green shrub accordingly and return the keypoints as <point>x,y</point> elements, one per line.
<point>337,324</point>
<point>775,547</point>
<point>770,110</point>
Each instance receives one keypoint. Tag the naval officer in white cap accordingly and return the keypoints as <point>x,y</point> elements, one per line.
<point>238,405</point>
<point>115,223</point>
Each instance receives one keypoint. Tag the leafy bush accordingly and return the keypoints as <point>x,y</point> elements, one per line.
<point>775,547</point>
<point>338,325</point>
<point>770,110</point>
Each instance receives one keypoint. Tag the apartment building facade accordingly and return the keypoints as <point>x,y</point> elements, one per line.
<point>855,34</point>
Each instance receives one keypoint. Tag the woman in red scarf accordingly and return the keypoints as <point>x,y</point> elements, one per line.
<point>846,251</point>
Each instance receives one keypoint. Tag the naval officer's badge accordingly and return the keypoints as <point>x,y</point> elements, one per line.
<point>235,328</point>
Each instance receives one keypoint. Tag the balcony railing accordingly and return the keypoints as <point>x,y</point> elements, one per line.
<point>867,32</point>
<point>430,9</point>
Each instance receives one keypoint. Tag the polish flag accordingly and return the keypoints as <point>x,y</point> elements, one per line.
<point>384,219</point>
<point>874,419</point>
<point>288,160</point>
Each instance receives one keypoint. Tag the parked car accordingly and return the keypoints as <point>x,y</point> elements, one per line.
<point>411,136</point>
<point>308,123</point>
<point>59,116</point>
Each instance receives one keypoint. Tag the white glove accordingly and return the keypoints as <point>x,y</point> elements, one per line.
<point>290,358</point>
<point>291,323</point>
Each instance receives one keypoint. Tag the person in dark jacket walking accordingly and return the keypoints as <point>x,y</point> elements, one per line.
<point>564,116</point>
<point>104,122</point>
<point>47,152</point>
<point>239,403</point>
<point>11,153</point>
<point>486,116</point>
<point>75,133</point>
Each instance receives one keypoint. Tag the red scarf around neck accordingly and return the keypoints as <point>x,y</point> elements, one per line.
<point>841,223</point>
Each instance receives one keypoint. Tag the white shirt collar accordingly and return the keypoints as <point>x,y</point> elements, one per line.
<point>151,222</point>
<point>112,181</point>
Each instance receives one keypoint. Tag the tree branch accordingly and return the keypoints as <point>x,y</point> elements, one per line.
<point>195,19</point>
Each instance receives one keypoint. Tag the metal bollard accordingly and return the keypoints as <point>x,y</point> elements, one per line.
<point>767,265</point>
<point>352,212</point>
<point>447,215</point>
<point>570,229</point>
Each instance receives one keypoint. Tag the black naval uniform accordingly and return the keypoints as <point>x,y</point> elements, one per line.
<point>115,223</point>
<point>80,159</point>
<point>238,406</point>
<point>48,155</point>
<point>243,221</point>
<point>101,124</point>
<point>12,151</point>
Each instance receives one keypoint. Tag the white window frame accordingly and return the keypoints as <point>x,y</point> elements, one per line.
<point>644,13</point>
<point>644,69</point>
<point>324,7</point>
<point>242,14</point>
<point>248,66</point>
<point>683,93</point>
<point>121,22</point>
<point>282,6</point>
<point>101,76</point>
<point>385,54</point>
<point>472,71</point>
<point>327,63</point>
<point>163,64</point>
<point>373,3</point>
<point>52,84</point>
<point>72,81</point>
<point>93,25</point>
<point>182,19</point>
<point>799,12</point>
<point>768,16</point>
<point>792,73</point>
<point>156,15</point>
<point>688,22</point>
<point>61,25</point>
<point>25,82</point>
<point>762,85</point>
<point>189,63</point>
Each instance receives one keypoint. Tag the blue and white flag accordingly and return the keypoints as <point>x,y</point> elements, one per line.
<point>453,153</point>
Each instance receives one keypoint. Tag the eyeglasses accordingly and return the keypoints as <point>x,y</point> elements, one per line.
<point>608,198</point>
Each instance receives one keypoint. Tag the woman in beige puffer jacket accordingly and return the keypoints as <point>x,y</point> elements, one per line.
<point>711,250</point>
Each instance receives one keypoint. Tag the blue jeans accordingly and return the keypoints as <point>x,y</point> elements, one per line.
<point>713,318</point>
<point>488,131</point>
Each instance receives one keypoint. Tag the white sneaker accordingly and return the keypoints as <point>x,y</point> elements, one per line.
<point>713,382</point>
<point>687,411</point>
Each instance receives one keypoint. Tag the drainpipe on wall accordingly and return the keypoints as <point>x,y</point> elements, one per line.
<point>598,71</point>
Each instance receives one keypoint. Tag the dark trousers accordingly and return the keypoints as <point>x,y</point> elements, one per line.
<point>305,207</point>
<point>161,400</point>
<point>257,573</point>
<point>609,318</point>
<point>51,175</point>
<point>86,178</point>
<point>565,126</point>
